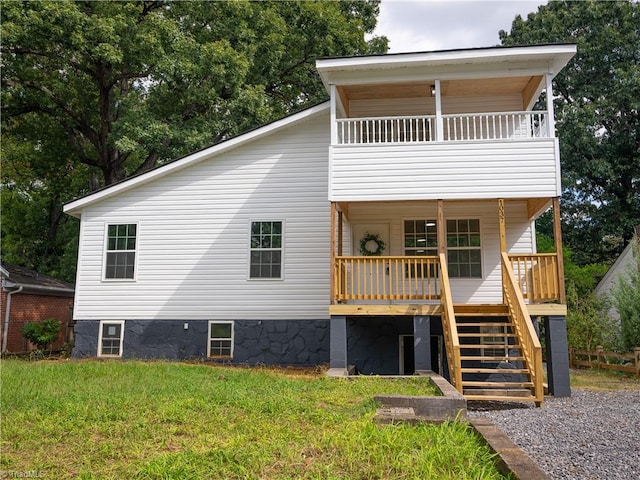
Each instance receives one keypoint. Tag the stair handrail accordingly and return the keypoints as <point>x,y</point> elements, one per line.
<point>531,348</point>
<point>449,328</point>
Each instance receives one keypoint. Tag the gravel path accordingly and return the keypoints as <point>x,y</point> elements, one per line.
<point>590,436</point>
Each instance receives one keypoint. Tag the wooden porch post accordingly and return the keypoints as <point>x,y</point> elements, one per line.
<point>502,228</point>
<point>340,233</point>
<point>332,253</point>
<point>442,237</point>
<point>557,236</point>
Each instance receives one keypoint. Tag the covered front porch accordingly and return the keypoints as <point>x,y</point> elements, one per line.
<point>416,290</point>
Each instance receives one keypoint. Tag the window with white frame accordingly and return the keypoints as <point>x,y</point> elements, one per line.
<point>120,256</point>
<point>266,250</point>
<point>464,253</point>
<point>110,338</point>
<point>420,239</point>
<point>220,340</point>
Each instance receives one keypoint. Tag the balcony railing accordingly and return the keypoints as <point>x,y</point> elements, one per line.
<point>460,127</point>
<point>386,278</point>
<point>537,276</point>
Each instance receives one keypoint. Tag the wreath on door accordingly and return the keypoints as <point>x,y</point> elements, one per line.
<point>371,245</point>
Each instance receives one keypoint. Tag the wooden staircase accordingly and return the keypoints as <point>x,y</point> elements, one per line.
<point>493,351</point>
<point>493,365</point>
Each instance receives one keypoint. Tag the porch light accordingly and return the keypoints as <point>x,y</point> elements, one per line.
<point>433,90</point>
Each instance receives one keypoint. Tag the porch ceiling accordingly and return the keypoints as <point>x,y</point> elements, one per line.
<point>524,85</point>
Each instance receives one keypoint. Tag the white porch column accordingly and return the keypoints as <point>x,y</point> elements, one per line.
<point>551,119</point>
<point>334,125</point>
<point>439,123</point>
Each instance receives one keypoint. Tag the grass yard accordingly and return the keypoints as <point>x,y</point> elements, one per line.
<point>594,379</point>
<point>162,420</point>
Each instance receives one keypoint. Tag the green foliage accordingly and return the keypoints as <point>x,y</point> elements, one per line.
<point>588,321</point>
<point>169,420</point>
<point>94,92</point>
<point>598,118</point>
<point>41,333</point>
<point>625,297</point>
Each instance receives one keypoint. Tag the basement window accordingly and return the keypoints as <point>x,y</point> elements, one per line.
<point>110,338</point>
<point>220,340</point>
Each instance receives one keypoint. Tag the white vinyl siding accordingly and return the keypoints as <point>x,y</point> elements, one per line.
<point>193,256</point>
<point>444,170</point>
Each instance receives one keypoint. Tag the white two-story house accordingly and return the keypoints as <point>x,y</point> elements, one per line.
<point>386,231</point>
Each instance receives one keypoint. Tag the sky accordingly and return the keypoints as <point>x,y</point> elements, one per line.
<point>427,25</point>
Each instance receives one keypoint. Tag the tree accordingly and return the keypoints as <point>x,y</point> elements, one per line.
<point>94,92</point>
<point>625,297</point>
<point>598,118</point>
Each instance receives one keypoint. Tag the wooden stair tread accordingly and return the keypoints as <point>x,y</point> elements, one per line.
<point>494,370</point>
<point>484,324</point>
<point>467,346</point>
<point>492,334</point>
<point>481,357</point>
<point>466,383</point>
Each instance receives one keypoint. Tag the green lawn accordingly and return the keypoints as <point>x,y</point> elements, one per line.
<point>91,419</point>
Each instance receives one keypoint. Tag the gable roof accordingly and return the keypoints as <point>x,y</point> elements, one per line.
<point>32,281</point>
<point>75,207</point>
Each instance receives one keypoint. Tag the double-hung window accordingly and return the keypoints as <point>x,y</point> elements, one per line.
<point>266,250</point>
<point>120,251</point>
<point>464,253</point>
<point>110,338</point>
<point>420,239</point>
<point>220,340</point>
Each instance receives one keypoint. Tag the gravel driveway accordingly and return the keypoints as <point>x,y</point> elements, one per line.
<point>590,436</point>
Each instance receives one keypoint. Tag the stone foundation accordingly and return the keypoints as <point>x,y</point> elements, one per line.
<point>269,342</point>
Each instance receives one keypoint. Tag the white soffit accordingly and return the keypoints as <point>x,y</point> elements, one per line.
<point>539,58</point>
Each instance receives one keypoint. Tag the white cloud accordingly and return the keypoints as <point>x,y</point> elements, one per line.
<point>426,25</point>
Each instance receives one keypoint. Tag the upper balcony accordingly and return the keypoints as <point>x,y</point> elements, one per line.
<point>444,125</point>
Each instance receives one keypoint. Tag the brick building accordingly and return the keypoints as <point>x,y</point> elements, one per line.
<point>27,296</point>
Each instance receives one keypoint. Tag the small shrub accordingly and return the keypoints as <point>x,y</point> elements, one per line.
<point>42,333</point>
<point>588,322</point>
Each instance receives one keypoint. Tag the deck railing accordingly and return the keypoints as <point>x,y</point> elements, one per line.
<point>386,130</point>
<point>537,276</point>
<point>459,127</point>
<point>386,278</point>
<point>531,348</point>
<point>449,328</point>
